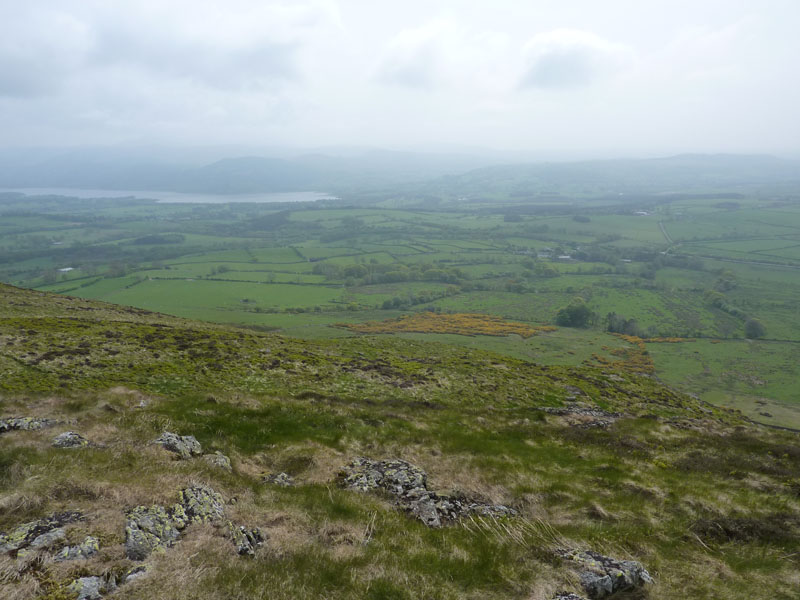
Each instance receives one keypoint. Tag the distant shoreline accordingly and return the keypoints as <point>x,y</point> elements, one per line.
<point>163,197</point>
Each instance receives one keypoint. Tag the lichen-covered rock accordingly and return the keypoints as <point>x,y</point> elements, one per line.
<point>135,573</point>
<point>86,549</point>
<point>184,446</point>
<point>602,576</point>
<point>25,424</point>
<point>70,439</point>
<point>148,529</point>
<point>245,539</point>
<point>201,504</point>
<point>279,479</point>
<point>409,485</point>
<point>395,476</point>
<point>584,416</point>
<point>91,588</point>
<point>218,459</point>
<point>37,532</point>
<point>155,527</point>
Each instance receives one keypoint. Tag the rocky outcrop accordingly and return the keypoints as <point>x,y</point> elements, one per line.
<point>585,416</point>
<point>25,424</point>
<point>246,540</point>
<point>70,439</point>
<point>157,528</point>
<point>86,549</point>
<point>567,596</point>
<point>39,534</point>
<point>408,484</point>
<point>200,504</point>
<point>218,459</point>
<point>92,588</point>
<point>185,446</point>
<point>279,479</point>
<point>147,529</point>
<point>601,576</point>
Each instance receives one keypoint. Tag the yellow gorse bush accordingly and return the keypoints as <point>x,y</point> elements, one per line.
<point>458,323</point>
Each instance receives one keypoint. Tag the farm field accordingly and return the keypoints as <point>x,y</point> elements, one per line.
<point>696,269</point>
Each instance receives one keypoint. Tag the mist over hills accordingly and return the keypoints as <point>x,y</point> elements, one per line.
<point>360,169</point>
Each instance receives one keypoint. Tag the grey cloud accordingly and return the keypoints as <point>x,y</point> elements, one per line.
<point>561,68</point>
<point>569,58</point>
<point>415,71</point>
<point>255,65</point>
<point>38,51</point>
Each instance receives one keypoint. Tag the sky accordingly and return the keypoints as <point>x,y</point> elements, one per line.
<point>560,79</point>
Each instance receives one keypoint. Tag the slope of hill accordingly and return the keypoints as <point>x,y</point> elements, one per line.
<point>513,472</point>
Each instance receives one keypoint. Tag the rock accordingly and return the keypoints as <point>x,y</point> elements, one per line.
<point>281,479</point>
<point>567,596</point>
<point>148,529</point>
<point>201,504</point>
<point>91,588</point>
<point>408,484</point>
<point>37,532</point>
<point>135,573</point>
<point>184,446</point>
<point>602,576</point>
<point>25,424</point>
<point>218,459</point>
<point>585,416</point>
<point>397,477</point>
<point>246,540</point>
<point>157,528</point>
<point>86,549</point>
<point>70,439</point>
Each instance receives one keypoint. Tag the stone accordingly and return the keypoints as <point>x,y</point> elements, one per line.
<point>409,486</point>
<point>92,588</point>
<point>567,596</point>
<point>37,532</point>
<point>70,439</point>
<point>157,528</point>
<point>86,549</point>
<point>601,576</point>
<point>584,416</point>
<point>245,539</point>
<point>135,573</point>
<point>184,446</point>
<point>280,479</point>
<point>395,476</point>
<point>25,424</point>
<point>201,504</point>
<point>218,459</point>
<point>148,529</point>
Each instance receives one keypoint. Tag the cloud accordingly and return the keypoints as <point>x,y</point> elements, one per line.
<point>39,50</point>
<point>568,58</point>
<point>414,57</point>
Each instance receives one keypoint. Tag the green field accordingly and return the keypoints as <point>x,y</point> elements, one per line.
<point>690,268</point>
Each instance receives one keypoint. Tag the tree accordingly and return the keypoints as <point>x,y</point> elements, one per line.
<point>753,329</point>
<point>575,314</point>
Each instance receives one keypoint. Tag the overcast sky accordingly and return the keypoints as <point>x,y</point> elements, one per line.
<point>567,78</point>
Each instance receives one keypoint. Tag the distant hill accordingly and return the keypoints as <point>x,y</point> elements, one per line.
<point>364,170</point>
<point>681,173</point>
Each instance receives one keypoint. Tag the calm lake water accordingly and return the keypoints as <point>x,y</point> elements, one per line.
<point>173,197</point>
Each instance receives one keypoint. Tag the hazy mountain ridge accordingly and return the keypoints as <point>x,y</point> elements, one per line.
<point>447,174</point>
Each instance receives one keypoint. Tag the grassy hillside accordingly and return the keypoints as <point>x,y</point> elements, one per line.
<point>587,458</point>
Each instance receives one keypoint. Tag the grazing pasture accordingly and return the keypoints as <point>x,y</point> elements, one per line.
<point>691,268</point>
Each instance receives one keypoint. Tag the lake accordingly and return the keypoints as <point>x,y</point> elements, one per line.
<point>176,197</point>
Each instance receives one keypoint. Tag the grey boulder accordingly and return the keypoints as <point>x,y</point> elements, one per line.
<point>601,576</point>
<point>184,446</point>
<point>70,439</point>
